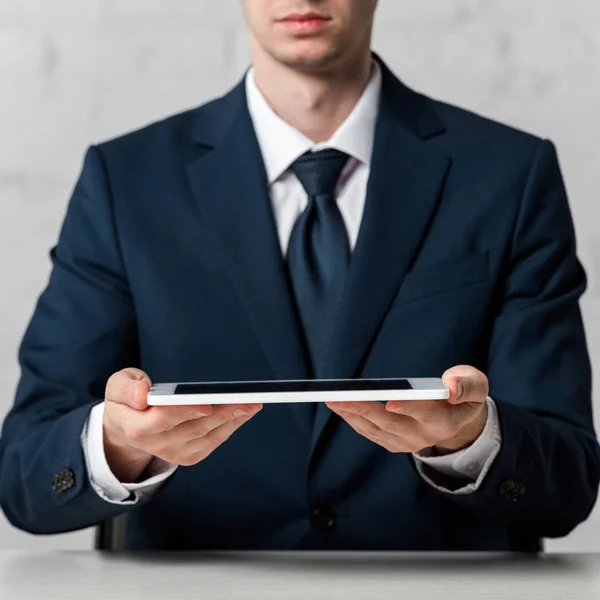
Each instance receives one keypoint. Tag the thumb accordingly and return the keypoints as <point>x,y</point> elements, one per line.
<point>129,387</point>
<point>466,385</point>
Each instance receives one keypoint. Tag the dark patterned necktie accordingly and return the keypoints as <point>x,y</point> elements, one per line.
<point>319,252</point>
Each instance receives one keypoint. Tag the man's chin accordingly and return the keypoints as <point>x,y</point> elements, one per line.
<point>309,59</point>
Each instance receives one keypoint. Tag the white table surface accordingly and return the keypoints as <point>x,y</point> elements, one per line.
<point>295,576</point>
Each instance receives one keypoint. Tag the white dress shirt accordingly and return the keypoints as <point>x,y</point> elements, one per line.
<point>281,145</point>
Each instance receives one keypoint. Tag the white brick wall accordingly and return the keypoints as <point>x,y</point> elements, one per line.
<point>74,72</point>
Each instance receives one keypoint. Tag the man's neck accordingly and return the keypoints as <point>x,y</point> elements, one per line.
<point>316,105</point>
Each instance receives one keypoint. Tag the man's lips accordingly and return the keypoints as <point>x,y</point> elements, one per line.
<point>309,22</point>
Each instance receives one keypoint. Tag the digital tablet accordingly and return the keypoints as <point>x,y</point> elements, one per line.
<point>311,390</point>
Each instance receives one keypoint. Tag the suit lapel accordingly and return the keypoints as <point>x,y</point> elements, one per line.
<point>404,187</point>
<point>230,187</point>
<point>229,184</point>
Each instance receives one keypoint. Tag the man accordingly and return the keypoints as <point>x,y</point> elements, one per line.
<point>320,220</point>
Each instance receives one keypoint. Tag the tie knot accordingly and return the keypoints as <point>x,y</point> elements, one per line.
<point>319,172</point>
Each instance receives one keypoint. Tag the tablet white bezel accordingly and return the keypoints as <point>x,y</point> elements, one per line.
<point>162,394</point>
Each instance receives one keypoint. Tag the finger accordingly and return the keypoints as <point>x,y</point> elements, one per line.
<point>199,449</point>
<point>160,419</point>
<point>222,433</point>
<point>412,441</point>
<point>129,387</point>
<point>439,419</point>
<point>199,428</point>
<point>425,411</point>
<point>376,413</point>
<point>466,384</point>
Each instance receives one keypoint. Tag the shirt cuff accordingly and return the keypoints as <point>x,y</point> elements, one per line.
<point>102,479</point>
<point>463,471</point>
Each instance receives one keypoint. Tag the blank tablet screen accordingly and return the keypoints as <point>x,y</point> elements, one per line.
<point>252,387</point>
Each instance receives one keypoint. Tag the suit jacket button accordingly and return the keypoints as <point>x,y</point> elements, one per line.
<point>323,518</point>
<point>63,481</point>
<point>512,490</point>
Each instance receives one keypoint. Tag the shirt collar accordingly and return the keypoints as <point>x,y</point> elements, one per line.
<point>281,144</point>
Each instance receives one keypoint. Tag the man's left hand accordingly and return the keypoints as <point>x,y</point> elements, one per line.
<point>410,426</point>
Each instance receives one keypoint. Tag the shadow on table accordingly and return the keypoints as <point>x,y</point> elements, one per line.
<point>369,561</point>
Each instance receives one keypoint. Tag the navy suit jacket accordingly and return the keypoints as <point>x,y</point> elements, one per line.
<point>168,260</point>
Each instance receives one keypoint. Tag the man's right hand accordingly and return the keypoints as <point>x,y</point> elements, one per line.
<point>134,432</point>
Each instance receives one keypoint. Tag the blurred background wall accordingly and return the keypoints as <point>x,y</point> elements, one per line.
<point>75,72</point>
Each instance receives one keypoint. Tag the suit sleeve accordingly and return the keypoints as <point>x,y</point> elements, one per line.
<point>103,480</point>
<point>544,480</point>
<point>83,329</point>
